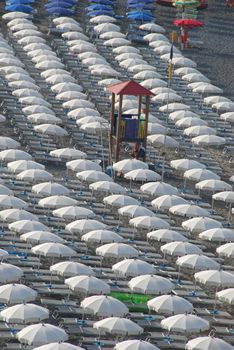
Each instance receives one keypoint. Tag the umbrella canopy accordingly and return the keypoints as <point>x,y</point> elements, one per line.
<point>34,175</point>
<point>126,165</point>
<point>200,224</point>
<point>79,165</point>
<point>135,344</point>
<point>8,272</point>
<point>107,187</point>
<point>87,285</point>
<point>226,295</point>
<point>149,222</point>
<point>12,215</point>
<point>171,107</point>
<point>215,278</point>
<point>226,250</point>
<point>104,306</point>
<point>24,313</point>
<point>170,305</point>
<point>188,210</point>
<point>150,284</point>
<point>186,164</point>
<point>101,236</point>
<point>21,165</point>
<point>50,189</point>
<point>226,196</point>
<point>9,201</point>
<point>40,334</point>
<point>16,293</point>
<point>208,140</point>
<point>213,185</point>
<point>68,153</point>
<point>84,226</point>
<point>167,201</point>
<point>133,268</point>
<point>159,140</point>
<point>218,234</point>
<point>14,154</point>
<point>117,251</point>
<point>23,226</point>
<point>5,190</point>
<point>166,235</point>
<point>73,213</point>
<point>118,200</point>
<point>158,189</point>
<point>71,269</point>
<point>56,202</point>
<point>198,130</point>
<point>185,323</point>
<point>208,343</point>
<point>197,262</point>
<point>93,176</point>
<point>53,250</point>
<point>133,211</point>
<point>143,175</point>
<point>200,175</point>
<point>36,237</point>
<point>118,326</point>
<point>8,143</point>
<point>180,248</point>
<point>188,122</point>
<point>59,346</point>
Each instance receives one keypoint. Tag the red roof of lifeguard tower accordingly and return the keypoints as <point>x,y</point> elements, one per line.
<point>129,88</point>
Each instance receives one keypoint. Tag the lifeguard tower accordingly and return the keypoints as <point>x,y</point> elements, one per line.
<point>128,128</point>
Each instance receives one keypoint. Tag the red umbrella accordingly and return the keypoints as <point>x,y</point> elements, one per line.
<point>188,22</point>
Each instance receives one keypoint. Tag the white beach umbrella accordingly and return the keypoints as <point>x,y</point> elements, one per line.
<point>150,284</point>
<point>126,56</point>
<point>189,122</point>
<point>26,92</point>
<point>135,344</point>
<point>210,100</point>
<point>155,37</point>
<point>149,223</point>
<point>102,19</point>
<point>50,189</point>
<point>213,185</point>
<point>207,88</point>
<point>67,26</point>
<point>154,128</point>
<point>93,176</point>
<point>166,235</point>
<point>37,108</point>
<point>95,127</point>
<point>34,175</point>
<point>59,346</point>
<point>188,210</point>
<point>226,296</point>
<point>200,224</point>
<point>30,39</point>
<point>226,250</point>
<point>26,32</point>
<point>20,165</point>
<point>155,28</point>
<point>50,129</point>
<point>10,155</point>
<point>84,226</point>
<point>182,114</point>
<point>208,140</point>
<point>63,19</point>
<point>180,248</point>
<point>24,313</point>
<point>167,201</point>
<point>101,236</point>
<point>131,62</point>
<point>185,323</point>
<point>79,165</point>
<point>118,200</point>
<point>143,175</point>
<point>153,83</point>
<point>70,95</point>
<point>106,27</point>
<point>170,305</point>
<point>5,190</point>
<point>117,251</point>
<point>31,100</point>
<point>87,285</point>
<point>56,201</point>
<point>66,87</point>
<point>15,14</point>
<point>68,153</point>
<point>141,67</point>
<point>72,212</point>
<point>133,211</point>
<point>8,143</point>
<point>9,201</point>
<point>164,97</point>
<point>118,326</point>
<point>71,269</point>
<point>104,306</point>
<point>215,278</point>
<point>12,215</point>
<point>116,42</point>
<point>174,106</point>
<point>53,249</point>
<point>186,164</point>
<point>23,226</point>
<point>208,343</point>
<point>218,234</point>
<point>3,254</point>
<point>83,112</point>
<point>40,334</point>
<point>132,268</point>
<point>147,74</point>
<point>198,130</point>
<point>107,187</point>
<point>16,293</point>
<point>200,175</point>
<point>77,103</point>
<point>183,62</point>
<point>157,189</point>
<point>226,196</point>
<point>197,262</point>
<point>185,70</point>
<point>59,78</point>
<point>36,237</point>
<point>9,273</point>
